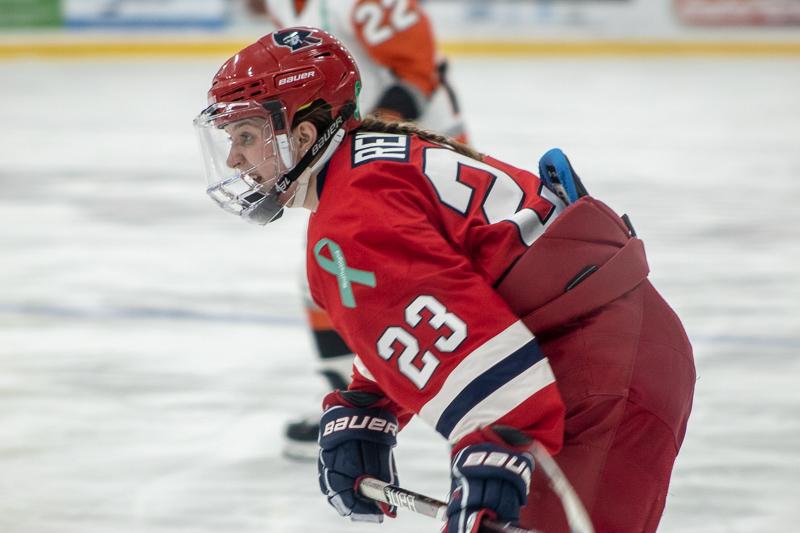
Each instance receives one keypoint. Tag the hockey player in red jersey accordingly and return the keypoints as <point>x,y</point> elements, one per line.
<point>404,78</point>
<point>499,307</point>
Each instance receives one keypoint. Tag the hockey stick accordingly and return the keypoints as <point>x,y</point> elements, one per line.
<point>577,518</point>
<point>380,491</point>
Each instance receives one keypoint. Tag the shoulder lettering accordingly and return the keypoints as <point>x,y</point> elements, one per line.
<point>372,146</point>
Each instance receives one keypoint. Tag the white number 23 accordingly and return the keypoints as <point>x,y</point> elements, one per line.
<point>420,372</point>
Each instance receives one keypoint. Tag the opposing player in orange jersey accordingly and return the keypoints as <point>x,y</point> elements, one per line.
<point>403,76</point>
<point>403,79</point>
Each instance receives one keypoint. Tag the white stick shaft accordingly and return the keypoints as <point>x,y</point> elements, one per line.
<point>378,490</point>
<point>381,491</point>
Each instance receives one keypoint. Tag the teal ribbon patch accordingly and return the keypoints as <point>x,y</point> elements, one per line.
<point>344,274</point>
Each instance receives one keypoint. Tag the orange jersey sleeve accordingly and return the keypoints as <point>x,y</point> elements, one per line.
<point>399,36</point>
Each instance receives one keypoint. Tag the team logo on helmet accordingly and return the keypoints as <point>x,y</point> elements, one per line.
<point>295,39</point>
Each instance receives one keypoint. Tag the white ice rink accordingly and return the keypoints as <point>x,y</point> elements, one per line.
<point>152,346</point>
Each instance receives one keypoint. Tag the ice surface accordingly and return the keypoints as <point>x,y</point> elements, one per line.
<point>152,346</point>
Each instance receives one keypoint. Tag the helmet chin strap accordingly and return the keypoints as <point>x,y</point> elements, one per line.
<point>300,194</point>
<point>329,138</point>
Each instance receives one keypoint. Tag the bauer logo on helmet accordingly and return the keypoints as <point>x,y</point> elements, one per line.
<point>294,78</point>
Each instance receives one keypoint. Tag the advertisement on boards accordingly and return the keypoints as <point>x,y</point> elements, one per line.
<point>738,12</point>
<point>131,14</point>
<point>30,13</point>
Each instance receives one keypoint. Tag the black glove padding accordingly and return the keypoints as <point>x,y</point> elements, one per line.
<point>487,480</point>
<point>356,442</point>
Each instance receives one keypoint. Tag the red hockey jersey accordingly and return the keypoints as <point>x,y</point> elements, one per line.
<point>405,250</point>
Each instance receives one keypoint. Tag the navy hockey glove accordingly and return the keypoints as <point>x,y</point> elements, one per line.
<point>356,437</point>
<point>557,173</point>
<point>489,480</point>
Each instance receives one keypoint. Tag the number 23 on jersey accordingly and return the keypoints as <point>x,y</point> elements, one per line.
<point>451,338</point>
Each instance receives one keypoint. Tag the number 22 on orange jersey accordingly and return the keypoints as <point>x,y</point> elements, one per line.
<point>382,19</point>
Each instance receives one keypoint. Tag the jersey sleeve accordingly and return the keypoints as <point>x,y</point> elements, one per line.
<point>430,331</point>
<point>400,37</point>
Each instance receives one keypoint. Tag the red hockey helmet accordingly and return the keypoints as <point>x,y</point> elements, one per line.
<point>296,66</point>
<point>245,133</point>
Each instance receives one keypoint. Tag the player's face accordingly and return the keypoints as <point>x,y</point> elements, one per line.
<point>249,150</point>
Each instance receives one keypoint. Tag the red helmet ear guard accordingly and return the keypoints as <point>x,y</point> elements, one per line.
<point>296,66</point>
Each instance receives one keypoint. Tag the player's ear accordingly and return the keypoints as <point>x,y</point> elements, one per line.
<point>305,134</point>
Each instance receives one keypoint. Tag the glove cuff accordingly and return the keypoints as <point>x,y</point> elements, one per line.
<point>357,399</point>
<point>505,436</point>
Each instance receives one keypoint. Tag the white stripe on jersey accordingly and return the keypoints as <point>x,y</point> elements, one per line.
<point>504,399</point>
<point>358,364</point>
<point>476,363</point>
